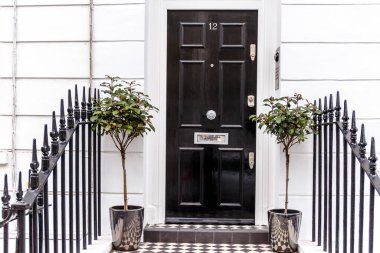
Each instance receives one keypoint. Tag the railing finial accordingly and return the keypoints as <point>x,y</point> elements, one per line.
<point>320,111</point>
<point>76,107</point>
<point>353,129</point>
<point>6,197</point>
<point>362,143</point>
<point>34,167</point>
<point>89,105</point>
<point>331,109</point>
<point>70,116</point>
<point>372,158</point>
<point>45,151</point>
<point>337,107</point>
<point>345,117</point>
<point>325,110</point>
<point>19,192</point>
<point>54,136</point>
<point>83,111</point>
<point>62,123</point>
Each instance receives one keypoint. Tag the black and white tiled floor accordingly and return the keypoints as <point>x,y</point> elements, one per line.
<point>203,248</point>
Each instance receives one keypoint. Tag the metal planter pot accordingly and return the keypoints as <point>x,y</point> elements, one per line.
<point>126,227</point>
<point>284,229</point>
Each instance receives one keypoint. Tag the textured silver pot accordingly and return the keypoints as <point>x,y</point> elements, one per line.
<point>284,229</point>
<point>126,227</point>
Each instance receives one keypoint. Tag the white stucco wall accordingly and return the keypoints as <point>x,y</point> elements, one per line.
<point>325,46</point>
<point>329,46</point>
<point>52,56</point>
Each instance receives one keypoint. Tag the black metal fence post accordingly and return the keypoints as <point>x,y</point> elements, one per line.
<point>353,131</point>
<point>54,152</point>
<point>5,211</point>
<point>34,182</point>
<point>70,125</point>
<point>372,166</point>
<point>77,201</point>
<point>345,119</point>
<point>84,210</point>
<point>337,182</point>
<point>45,163</point>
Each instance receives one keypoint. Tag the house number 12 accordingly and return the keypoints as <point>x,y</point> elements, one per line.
<point>213,26</point>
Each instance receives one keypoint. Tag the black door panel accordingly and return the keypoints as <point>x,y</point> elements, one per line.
<point>209,69</point>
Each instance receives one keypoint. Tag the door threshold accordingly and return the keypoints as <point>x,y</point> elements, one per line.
<point>210,221</point>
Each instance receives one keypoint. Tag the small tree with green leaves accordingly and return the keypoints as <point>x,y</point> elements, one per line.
<point>290,119</point>
<point>123,114</point>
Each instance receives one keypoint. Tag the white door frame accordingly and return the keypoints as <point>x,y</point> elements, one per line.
<point>155,86</point>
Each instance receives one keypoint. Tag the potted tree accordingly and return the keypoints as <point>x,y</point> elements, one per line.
<point>289,119</point>
<point>124,113</point>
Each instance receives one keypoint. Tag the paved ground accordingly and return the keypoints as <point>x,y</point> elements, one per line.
<point>203,248</point>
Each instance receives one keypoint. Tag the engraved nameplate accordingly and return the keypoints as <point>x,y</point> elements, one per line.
<point>211,138</point>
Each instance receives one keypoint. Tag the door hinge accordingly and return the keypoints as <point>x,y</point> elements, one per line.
<point>252,51</point>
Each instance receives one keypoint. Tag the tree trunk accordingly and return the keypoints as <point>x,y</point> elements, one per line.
<point>287,180</point>
<point>124,181</point>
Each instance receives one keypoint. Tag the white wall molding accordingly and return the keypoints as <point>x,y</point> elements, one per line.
<point>155,74</point>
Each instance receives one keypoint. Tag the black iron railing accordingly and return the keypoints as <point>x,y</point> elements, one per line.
<point>34,204</point>
<point>352,238</point>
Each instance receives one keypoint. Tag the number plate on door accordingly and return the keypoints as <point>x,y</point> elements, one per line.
<point>211,138</point>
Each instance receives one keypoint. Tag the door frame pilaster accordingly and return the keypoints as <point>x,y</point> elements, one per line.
<point>155,86</point>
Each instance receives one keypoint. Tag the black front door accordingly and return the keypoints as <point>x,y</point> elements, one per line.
<point>211,90</point>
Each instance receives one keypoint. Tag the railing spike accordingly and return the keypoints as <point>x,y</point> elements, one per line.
<point>362,143</point>
<point>62,122</point>
<point>6,197</point>
<point>325,109</point>
<point>98,95</point>
<point>76,95</point>
<point>45,150</point>
<point>76,106</point>
<point>331,108</point>
<point>345,117</point>
<point>19,192</point>
<point>337,107</point>
<point>54,136</point>
<point>34,167</point>
<point>372,158</point>
<point>353,129</point>
<point>83,109</point>
<point>70,117</point>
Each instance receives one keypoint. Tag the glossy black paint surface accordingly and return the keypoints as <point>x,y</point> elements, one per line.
<point>209,68</point>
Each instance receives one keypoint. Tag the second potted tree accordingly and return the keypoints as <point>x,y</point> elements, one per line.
<point>290,119</point>
<point>124,114</point>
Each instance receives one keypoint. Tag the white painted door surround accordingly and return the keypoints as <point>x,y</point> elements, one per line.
<point>155,85</point>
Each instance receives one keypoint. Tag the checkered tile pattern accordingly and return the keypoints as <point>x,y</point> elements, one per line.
<point>203,248</point>
<point>207,227</point>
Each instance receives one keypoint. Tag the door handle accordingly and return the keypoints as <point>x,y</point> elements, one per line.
<point>251,159</point>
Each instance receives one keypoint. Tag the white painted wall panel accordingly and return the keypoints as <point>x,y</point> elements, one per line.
<point>124,59</point>
<point>361,95</point>
<point>330,61</point>
<point>53,60</point>
<point>53,23</point>
<point>330,2</point>
<point>6,59</point>
<point>6,23</point>
<point>56,88</point>
<point>6,132</point>
<point>6,95</point>
<point>29,128</point>
<point>330,23</point>
<point>112,176</point>
<point>52,2</point>
<point>119,1</point>
<point>119,22</point>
